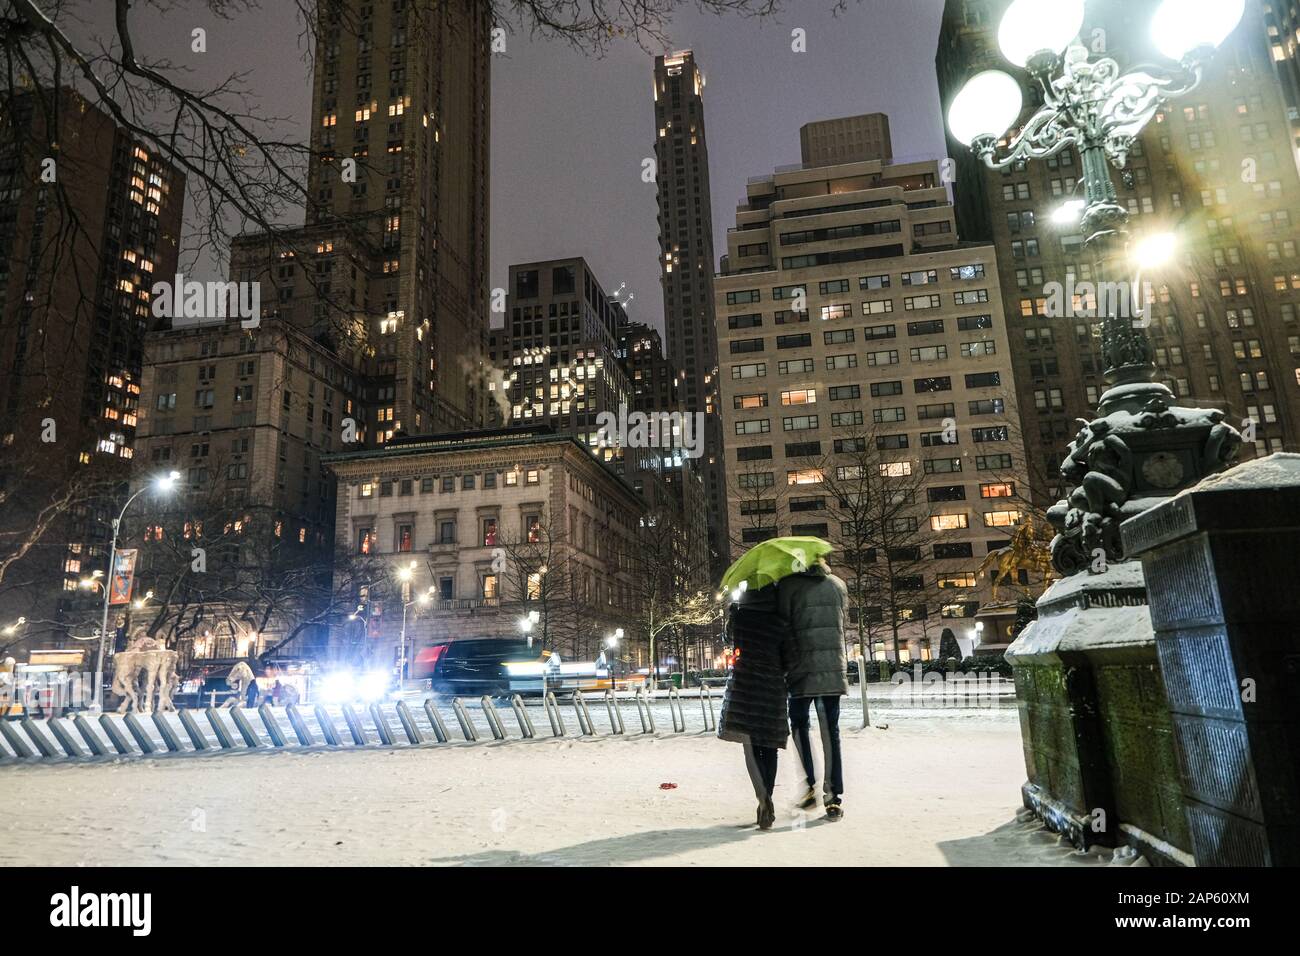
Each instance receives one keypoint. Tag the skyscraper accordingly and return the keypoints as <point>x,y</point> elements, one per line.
<point>867,397</point>
<point>373,313</point>
<point>557,351</point>
<point>686,259</point>
<point>394,254</point>
<point>81,243</point>
<point>1216,169</point>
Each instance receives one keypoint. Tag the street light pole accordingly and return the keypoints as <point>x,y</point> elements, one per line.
<point>405,575</point>
<point>162,484</point>
<point>1141,445</point>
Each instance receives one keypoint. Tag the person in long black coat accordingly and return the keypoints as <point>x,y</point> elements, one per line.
<point>754,708</point>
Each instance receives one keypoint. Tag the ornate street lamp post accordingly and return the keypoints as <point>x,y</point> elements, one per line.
<point>1141,446</point>
<point>1095,716</point>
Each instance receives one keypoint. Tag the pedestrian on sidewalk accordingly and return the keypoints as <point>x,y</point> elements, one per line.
<point>813,601</point>
<point>252,694</point>
<point>755,707</point>
<point>754,704</point>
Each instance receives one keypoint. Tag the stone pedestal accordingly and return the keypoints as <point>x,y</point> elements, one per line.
<point>1098,744</point>
<point>1222,563</point>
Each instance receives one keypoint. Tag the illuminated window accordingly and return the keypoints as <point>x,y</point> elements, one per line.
<point>948,522</point>
<point>804,476</point>
<point>1001,519</point>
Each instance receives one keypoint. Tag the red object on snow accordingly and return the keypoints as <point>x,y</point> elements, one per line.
<point>667,786</point>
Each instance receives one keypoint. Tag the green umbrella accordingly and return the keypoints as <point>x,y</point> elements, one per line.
<point>771,560</point>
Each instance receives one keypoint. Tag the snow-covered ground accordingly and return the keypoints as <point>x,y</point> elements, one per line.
<point>939,790</point>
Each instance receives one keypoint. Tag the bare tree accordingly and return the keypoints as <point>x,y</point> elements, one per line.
<point>876,495</point>
<point>754,485</point>
<point>667,597</point>
<point>539,577</point>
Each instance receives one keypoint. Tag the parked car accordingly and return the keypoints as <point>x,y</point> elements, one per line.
<point>472,667</point>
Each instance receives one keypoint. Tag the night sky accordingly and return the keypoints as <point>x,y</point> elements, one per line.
<point>569,131</point>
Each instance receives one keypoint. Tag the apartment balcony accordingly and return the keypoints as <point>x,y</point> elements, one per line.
<point>465,604</point>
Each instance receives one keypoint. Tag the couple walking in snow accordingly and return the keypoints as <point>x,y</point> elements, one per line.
<point>786,624</point>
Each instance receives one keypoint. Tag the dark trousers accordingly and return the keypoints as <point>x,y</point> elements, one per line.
<point>761,764</point>
<point>828,720</point>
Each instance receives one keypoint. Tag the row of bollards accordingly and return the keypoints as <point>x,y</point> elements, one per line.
<point>126,735</point>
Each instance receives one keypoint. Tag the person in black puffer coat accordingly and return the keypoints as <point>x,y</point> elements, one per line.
<point>815,602</point>
<point>754,707</point>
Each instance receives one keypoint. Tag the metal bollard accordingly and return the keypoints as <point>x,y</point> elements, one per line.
<point>413,734</point>
<point>272,725</point>
<point>862,688</point>
<point>644,711</point>
<point>214,718</point>
<point>166,732</point>
<point>326,724</point>
<point>300,729</point>
<point>615,714</point>
<point>192,729</point>
<point>65,739</point>
<point>675,711</point>
<point>380,721</point>
<point>462,718</point>
<point>39,739</point>
<point>526,728</point>
<point>354,726</point>
<point>710,718</point>
<point>553,713</point>
<point>493,719</point>
<point>88,735</point>
<point>435,721</point>
<point>586,726</point>
<point>16,743</point>
<point>244,727</point>
<point>141,738</point>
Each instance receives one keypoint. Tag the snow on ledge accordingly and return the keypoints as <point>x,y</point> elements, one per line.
<point>1123,575</point>
<point>1075,629</point>
<point>1279,470</point>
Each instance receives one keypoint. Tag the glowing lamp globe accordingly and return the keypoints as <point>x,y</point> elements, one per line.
<point>1181,26</point>
<point>986,106</point>
<point>1038,26</point>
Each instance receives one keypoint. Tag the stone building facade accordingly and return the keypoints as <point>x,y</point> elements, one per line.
<point>497,523</point>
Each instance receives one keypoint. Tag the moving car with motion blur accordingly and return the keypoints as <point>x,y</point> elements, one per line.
<point>500,667</point>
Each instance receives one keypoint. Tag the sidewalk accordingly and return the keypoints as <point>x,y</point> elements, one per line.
<point>933,792</point>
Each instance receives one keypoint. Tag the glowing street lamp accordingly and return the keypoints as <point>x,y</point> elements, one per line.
<point>404,575</point>
<point>1154,251</point>
<point>1095,107</point>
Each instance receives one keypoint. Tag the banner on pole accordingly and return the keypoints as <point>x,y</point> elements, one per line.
<point>123,577</point>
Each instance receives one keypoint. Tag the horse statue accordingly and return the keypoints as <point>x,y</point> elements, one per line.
<point>1026,552</point>
<point>144,669</point>
<point>240,677</point>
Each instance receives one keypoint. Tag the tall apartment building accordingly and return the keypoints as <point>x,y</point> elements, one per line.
<point>497,523</point>
<point>657,384</point>
<point>656,389</point>
<point>78,256</point>
<point>856,324</point>
<point>391,266</point>
<point>245,416</point>
<point>1282,25</point>
<point>848,139</point>
<point>1216,169</point>
<point>559,350</point>
<point>686,258</point>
